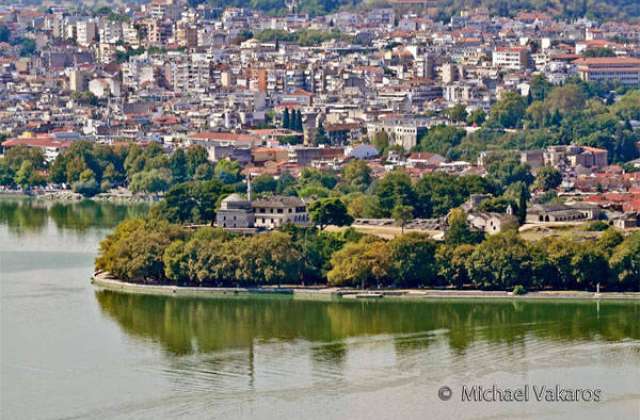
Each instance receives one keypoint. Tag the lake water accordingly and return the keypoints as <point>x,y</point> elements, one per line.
<point>69,351</point>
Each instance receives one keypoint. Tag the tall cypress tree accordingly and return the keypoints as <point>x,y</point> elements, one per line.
<point>286,120</point>
<point>298,121</point>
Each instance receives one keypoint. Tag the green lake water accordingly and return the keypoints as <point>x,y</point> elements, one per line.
<point>69,351</point>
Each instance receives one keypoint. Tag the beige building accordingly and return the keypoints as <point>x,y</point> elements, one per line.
<point>85,32</point>
<point>514,58</point>
<point>625,70</point>
<point>276,211</point>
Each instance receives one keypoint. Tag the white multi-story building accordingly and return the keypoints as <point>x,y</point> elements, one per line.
<point>514,58</point>
<point>85,32</point>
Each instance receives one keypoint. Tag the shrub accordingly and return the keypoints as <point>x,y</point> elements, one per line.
<point>519,289</point>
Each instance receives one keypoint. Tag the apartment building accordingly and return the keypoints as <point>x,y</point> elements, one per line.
<point>85,32</point>
<point>513,58</point>
<point>625,70</point>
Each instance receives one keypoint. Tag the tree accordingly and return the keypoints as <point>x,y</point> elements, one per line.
<point>451,260</point>
<point>363,205</point>
<point>547,178</point>
<point>381,141</point>
<point>228,171</point>
<point>134,251</point>
<point>459,232</point>
<point>5,33</point>
<point>178,166</point>
<point>523,197</point>
<point>357,174</point>
<point>539,87</point>
<point>599,52</point>
<point>359,263</point>
<point>500,262</point>
<point>402,215</point>
<point>25,175</point>
<point>270,257</point>
<point>321,135</point>
<point>566,98</point>
<point>590,267</point>
<point>395,188</point>
<point>264,183</point>
<point>476,117</point>
<point>329,211</point>
<point>191,202</point>
<point>625,263</point>
<point>608,241</point>
<point>413,261</point>
<point>508,111</point>
<point>440,139</point>
<point>286,119</point>
<point>151,181</point>
<point>195,157</point>
<point>457,113</point>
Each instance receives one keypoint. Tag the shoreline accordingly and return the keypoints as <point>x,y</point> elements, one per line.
<point>104,281</point>
<point>68,196</point>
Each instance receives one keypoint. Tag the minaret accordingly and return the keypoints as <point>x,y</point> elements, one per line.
<point>249,187</point>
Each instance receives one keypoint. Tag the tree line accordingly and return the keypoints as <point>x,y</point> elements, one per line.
<point>154,250</point>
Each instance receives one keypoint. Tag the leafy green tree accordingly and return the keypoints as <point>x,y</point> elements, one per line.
<point>6,175</point>
<point>440,139</point>
<point>191,202</point>
<point>329,211</point>
<point>566,98</point>
<point>547,178</point>
<point>625,263</point>
<point>451,264</point>
<point>25,175</point>
<point>609,240</point>
<point>477,117</point>
<point>228,171</point>
<point>272,258</point>
<point>196,156</point>
<point>599,52</point>
<point>590,267</point>
<point>500,262</point>
<point>5,33</point>
<point>395,188</point>
<point>360,264</point>
<point>381,142</point>
<point>363,205</point>
<point>151,181</point>
<point>457,113</point>
<point>134,251</point>
<point>509,111</point>
<point>413,261</point>
<point>459,232</point>
<point>357,175</point>
<point>539,87</point>
<point>402,215</point>
<point>178,166</point>
<point>264,183</point>
<point>508,171</point>
<point>320,136</point>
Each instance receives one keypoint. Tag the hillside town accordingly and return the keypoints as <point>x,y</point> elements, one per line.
<point>280,95</point>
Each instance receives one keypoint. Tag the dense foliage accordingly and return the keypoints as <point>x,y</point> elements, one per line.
<point>152,250</point>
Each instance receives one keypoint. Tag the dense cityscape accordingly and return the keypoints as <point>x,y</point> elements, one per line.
<point>456,127</point>
<point>319,209</point>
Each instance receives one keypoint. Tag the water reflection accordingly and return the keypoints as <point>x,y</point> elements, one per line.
<point>27,215</point>
<point>188,326</point>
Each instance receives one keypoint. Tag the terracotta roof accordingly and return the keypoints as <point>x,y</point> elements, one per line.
<point>216,136</point>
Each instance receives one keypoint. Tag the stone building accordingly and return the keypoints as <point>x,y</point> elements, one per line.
<point>235,212</point>
<point>276,211</point>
